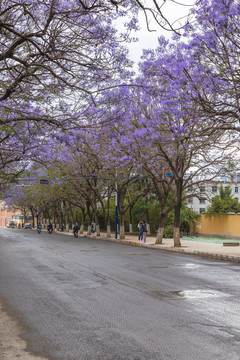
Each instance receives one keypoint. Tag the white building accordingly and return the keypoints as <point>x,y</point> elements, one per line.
<point>208,190</point>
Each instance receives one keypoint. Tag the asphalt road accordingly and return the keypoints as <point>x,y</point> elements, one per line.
<point>85,299</point>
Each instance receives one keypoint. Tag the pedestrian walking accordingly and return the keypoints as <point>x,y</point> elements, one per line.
<point>140,229</point>
<point>144,225</point>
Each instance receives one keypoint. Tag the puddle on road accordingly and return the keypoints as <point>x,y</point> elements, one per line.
<point>188,266</point>
<point>87,251</point>
<point>138,254</point>
<point>162,295</point>
<point>196,294</point>
<point>188,294</point>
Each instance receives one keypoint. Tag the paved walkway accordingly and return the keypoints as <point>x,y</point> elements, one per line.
<point>191,246</point>
<point>205,247</point>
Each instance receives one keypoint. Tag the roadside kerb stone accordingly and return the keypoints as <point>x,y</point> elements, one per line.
<point>180,250</point>
<point>173,249</point>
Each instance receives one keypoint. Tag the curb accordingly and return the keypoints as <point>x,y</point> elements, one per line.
<point>231,258</point>
<point>204,254</point>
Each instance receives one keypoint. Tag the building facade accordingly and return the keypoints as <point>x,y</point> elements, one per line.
<point>208,190</point>
<point>5,214</point>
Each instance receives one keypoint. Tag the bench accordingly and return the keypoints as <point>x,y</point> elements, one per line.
<point>231,243</point>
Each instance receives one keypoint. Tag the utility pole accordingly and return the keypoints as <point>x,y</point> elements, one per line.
<point>62,215</point>
<point>116,210</point>
<point>37,218</point>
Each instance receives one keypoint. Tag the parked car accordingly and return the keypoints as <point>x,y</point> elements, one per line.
<point>27,225</point>
<point>11,223</point>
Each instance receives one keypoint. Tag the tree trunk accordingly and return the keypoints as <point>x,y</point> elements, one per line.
<point>66,217</point>
<point>122,226</point>
<point>81,229</point>
<point>176,235</point>
<point>176,230</point>
<point>82,221</point>
<point>33,218</point>
<point>89,230</point>
<point>54,221</point>
<point>108,225</point>
<point>161,228</point>
<point>122,232</point>
<point>98,230</point>
<point>97,227</point>
<point>108,231</point>
<point>147,215</point>
<point>147,222</point>
<point>89,218</point>
<point>148,229</point>
<point>130,220</point>
<point>159,237</point>
<point>72,216</point>
<point>177,212</point>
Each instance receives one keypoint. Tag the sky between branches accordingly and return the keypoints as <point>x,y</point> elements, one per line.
<point>175,12</point>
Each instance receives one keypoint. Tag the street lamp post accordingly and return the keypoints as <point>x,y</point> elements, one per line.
<point>116,211</point>
<point>61,215</point>
<point>37,219</point>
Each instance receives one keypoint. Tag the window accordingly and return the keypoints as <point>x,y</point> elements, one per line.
<point>190,200</point>
<point>18,217</point>
<point>202,201</point>
<point>236,189</point>
<point>202,188</point>
<point>214,188</point>
<point>190,188</point>
<point>202,210</point>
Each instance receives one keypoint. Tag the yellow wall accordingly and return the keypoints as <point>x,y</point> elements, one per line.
<point>219,225</point>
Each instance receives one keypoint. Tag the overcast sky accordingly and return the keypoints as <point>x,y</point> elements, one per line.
<point>149,40</point>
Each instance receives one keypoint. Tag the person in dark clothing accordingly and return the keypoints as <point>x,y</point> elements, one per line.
<point>140,229</point>
<point>92,228</point>
<point>50,228</point>
<point>75,228</point>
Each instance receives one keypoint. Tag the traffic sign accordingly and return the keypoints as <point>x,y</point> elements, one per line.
<point>43,181</point>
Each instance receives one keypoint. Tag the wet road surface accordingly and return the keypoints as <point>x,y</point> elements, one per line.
<point>84,299</point>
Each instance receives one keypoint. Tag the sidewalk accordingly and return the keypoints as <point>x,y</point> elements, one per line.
<point>205,247</point>
<point>193,246</point>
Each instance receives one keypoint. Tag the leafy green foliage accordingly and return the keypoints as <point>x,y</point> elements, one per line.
<point>223,203</point>
<point>188,217</point>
